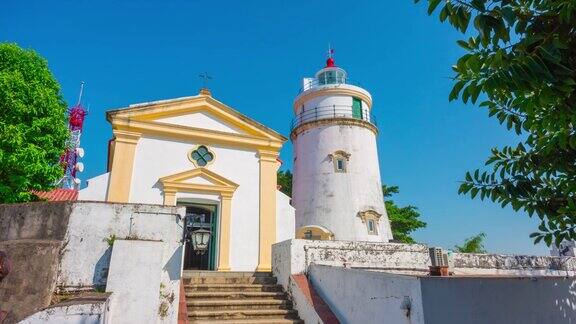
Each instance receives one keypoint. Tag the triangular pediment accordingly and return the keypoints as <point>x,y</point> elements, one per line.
<point>197,112</point>
<point>200,179</point>
<point>204,120</point>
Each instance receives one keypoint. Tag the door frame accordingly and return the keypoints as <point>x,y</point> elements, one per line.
<point>215,238</point>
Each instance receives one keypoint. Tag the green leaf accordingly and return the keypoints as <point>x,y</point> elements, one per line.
<point>432,4</point>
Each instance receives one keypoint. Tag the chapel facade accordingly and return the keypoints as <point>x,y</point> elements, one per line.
<point>200,153</point>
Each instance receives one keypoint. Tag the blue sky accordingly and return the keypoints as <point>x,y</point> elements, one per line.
<point>257,52</point>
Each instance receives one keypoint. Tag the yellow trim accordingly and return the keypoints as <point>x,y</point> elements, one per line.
<point>225,220</point>
<point>122,166</point>
<point>194,161</point>
<point>196,134</point>
<point>319,231</point>
<point>268,182</point>
<point>225,188</point>
<point>176,182</point>
<point>185,106</point>
<point>332,92</point>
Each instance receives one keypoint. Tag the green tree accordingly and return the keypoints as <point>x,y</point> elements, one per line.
<point>403,220</point>
<point>520,62</point>
<point>33,125</point>
<point>474,244</point>
<point>285,182</point>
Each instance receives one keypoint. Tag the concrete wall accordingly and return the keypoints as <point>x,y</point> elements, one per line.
<point>517,265</point>
<point>96,188</point>
<point>359,296</point>
<point>295,257</point>
<point>32,236</point>
<point>86,256</point>
<point>62,247</point>
<point>505,300</point>
<point>134,279</point>
<point>85,310</point>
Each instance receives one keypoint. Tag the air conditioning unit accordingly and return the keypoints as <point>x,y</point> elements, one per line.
<point>438,257</point>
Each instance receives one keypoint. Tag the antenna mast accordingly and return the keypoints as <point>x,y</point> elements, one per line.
<point>72,155</point>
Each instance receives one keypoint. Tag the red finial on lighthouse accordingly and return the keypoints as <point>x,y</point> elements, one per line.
<point>330,60</point>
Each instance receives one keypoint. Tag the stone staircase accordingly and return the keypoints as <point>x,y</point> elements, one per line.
<point>236,297</point>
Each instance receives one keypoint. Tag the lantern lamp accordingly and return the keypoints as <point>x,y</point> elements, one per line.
<point>200,239</point>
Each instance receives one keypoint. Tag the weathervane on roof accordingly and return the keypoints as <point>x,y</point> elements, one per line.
<point>205,78</point>
<point>330,60</point>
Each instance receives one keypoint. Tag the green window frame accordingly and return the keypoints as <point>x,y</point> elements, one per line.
<point>357,108</point>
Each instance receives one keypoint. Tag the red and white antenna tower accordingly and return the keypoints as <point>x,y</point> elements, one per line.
<point>74,152</point>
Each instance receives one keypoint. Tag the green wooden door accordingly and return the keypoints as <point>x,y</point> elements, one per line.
<point>357,108</point>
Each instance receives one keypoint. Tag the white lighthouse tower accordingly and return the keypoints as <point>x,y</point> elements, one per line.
<point>336,187</point>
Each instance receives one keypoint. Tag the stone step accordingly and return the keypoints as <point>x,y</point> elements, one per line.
<point>227,295</point>
<point>228,304</point>
<point>243,314</point>
<point>232,287</point>
<point>250,321</point>
<point>260,280</point>
<point>220,274</point>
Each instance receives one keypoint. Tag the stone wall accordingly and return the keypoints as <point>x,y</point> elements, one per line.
<point>519,265</point>
<point>61,247</point>
<point>32,236</point>
<point>295,256</point>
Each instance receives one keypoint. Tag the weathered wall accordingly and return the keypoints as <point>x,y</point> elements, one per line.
<point>359,296</point>
<point>63,246</point>
<point>134,279</point>
<point>86,256</point>
<point>499,300</point>
<point>92,309</point>
<point>32,235</point>
<point>518,265</point>
<point>333,199</point>
<point>295,256</point>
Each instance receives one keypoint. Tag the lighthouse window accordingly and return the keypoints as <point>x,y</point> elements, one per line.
<point>372,229</point>
<point>340,160</point>
<point>340,165</point>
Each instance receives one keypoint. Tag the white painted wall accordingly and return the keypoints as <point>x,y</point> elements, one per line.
<point>359,296</point>
<point>134,279</point>
<point>296,256</point>
<point>96,188</point>
<point>285,218</point>
<point>202,120</point>
<point>84,313</point>
<point>332,199</point>
<point>320,100</point>
<point>86,255</point>
<point>157,157</point>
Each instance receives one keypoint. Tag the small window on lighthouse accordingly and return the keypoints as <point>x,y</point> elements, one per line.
<point>372,229</point>
<point>340,165</point>
<point>340,160</point>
